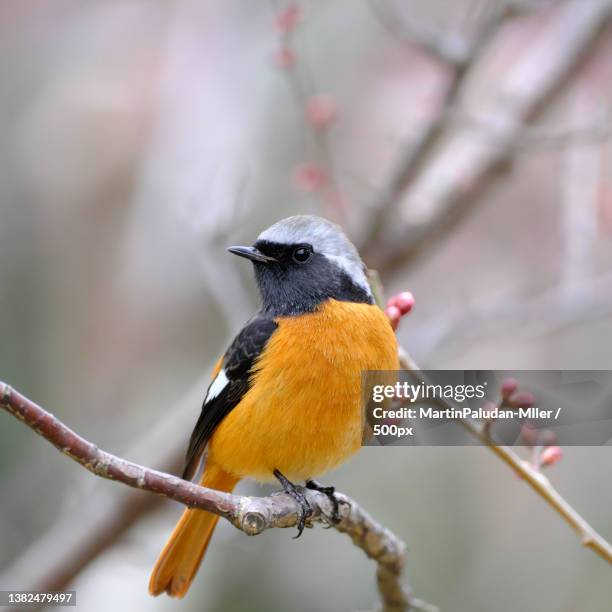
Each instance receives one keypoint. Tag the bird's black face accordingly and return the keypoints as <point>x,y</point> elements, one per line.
<point>294,278</point>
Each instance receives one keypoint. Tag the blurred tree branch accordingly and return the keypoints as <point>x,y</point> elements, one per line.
<point>570,47</point>
<point>453,49</point>
<point>534,478</point>
<point>461,58</point>
<point>552,309</point>
<point>252,515</point>
<point>317,108</point>
<point>532,137</point>
<point>564,41</point>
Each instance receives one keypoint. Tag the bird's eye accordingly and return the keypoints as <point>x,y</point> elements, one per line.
<point>302,254</point>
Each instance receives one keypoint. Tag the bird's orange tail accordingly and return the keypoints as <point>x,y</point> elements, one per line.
<point>181,557</point>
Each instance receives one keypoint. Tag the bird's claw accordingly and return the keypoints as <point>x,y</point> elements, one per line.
<point>330,492</point>
<point>295,492</point>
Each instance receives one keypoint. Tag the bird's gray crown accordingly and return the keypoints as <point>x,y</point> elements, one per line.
<point>326,238</point>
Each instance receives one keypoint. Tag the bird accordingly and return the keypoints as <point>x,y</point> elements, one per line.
<point>285,400</point>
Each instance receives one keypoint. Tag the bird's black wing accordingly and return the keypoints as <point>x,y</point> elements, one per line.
<point>229,386</point>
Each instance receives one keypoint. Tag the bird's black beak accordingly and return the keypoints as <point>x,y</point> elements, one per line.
<point>250,253</point>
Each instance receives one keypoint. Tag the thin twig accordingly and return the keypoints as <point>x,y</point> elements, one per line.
<point>414,160</point>
<point>550,310</point>
<point>302,84</point>
<point>467,169</point>
<point>451,50</point>
<point>537,137</point>
<point>252,515</point>
<point>536,480</point>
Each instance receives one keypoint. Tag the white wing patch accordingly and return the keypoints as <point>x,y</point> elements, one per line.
<point>221,381</point>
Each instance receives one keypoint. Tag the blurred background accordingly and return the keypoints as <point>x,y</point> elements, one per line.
<point>466,148</point>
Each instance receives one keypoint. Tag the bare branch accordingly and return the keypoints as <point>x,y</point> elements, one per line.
<point>466,168</point>
<point>93,518</point>
<point>413,161</point>
<point>302,84</point>
<point>552,309</point>
<point>252,515</point>
<point>535,479</point>
<point>449,49</point>
<point>529,137</point>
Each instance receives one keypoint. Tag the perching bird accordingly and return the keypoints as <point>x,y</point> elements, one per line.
<point>285,400</point>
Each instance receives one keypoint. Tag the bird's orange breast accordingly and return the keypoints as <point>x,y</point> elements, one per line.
<point>303,414</point>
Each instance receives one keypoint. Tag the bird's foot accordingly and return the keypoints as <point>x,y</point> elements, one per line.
<point>331,495</point>
<point>295,492</point>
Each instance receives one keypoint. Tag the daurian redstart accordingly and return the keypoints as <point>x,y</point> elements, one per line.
<point>285,400</point>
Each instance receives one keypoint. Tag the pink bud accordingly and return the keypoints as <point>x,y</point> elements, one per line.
<point>284,57</point>
<point>321,110</point>
<point>523,399</point>
<point>508,387</point>
<point>405,302</point>
<point>394,314</point>
<point>309,177</point>
<point>551,455</point>
<point>288,18</point>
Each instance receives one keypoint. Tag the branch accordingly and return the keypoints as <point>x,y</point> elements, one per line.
<point>465,169</point>
<point>80,535</point>
<point>414,160</point>
<point>447,49</point>
<point>253,515</point>
<point>535,479</point>
<point>539,137</point>
<point>548,311</point>
<point>302,83</point>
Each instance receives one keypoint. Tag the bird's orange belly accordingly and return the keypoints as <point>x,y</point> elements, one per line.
<point>303,412</point>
